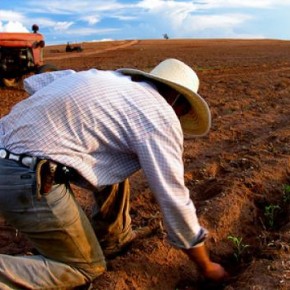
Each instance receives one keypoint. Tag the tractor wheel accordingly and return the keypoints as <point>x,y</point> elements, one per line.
<point>10,82</point>
<point>46,68</point>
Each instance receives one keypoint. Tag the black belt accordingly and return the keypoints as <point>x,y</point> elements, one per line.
<point>23,159</point>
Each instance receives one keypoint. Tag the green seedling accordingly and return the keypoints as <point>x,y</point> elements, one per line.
<point>286,196</point>
<point>239,247</point>
<point>270,213</point>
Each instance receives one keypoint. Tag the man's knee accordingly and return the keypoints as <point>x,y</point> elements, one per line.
<point>93,271</point>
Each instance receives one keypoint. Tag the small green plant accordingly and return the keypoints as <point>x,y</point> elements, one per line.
<point>239,247</point>
<point>286,195</point>
<point>270,214</point>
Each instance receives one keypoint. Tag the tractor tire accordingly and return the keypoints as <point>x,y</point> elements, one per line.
<point>46,68</point>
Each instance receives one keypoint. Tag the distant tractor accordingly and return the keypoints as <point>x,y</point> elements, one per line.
<point>21,54</point>
<point>71,48</point>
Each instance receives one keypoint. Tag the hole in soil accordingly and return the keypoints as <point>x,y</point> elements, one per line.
<point>233,266</point>
<point>273,216</point>
<point>188,284</point>
<point>246,163</point>
<point>273,209</point>
<point>209,189</point>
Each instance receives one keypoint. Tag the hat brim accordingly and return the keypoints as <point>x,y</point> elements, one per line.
<point>198,121</point>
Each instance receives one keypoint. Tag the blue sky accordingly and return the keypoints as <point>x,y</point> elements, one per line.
<point>93,20</point>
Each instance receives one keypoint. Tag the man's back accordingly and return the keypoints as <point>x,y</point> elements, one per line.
<point>88,120</point>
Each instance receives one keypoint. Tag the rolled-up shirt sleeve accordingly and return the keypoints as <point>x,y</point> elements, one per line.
<point>160,156</point>
<point>36,82</point>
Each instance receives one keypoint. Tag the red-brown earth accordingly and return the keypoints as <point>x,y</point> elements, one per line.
<point>238,175</point>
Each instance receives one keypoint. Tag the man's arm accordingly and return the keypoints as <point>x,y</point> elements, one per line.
<point>209,269</point>
<point>160,157</point>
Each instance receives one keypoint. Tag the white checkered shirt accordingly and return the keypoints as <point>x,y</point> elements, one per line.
<point>107,127</point>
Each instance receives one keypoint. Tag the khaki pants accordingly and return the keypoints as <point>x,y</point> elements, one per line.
<point>70,254</point>
<point>111,218</point>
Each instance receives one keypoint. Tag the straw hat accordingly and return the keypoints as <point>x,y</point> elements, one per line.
<point>183,79</point>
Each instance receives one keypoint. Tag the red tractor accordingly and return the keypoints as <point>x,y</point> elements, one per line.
<point>21,54</point>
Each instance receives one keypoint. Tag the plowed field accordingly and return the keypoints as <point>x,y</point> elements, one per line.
<point>238,175</point>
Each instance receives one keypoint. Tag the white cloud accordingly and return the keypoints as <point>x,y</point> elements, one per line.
<point>146,18</point>
<point>91,19</point>
<point>206,4</point>
<point>9,15</point>
<point>124,17</point>
<point>13,26</point>
<point>62,26</point>
<point>11,21</point>
<point>103,40</point>
<point>42,22</point>
<point>54,7</point>
<point>90,31</point>
<point>74,7</point>
<point>163,6</point>
<point>183,18</point>
<point>202,22</point>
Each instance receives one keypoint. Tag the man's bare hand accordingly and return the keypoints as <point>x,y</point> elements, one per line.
<point>215,272</point>
<point>210,270</point>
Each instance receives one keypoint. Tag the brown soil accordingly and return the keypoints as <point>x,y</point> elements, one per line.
<point>237,174</point>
